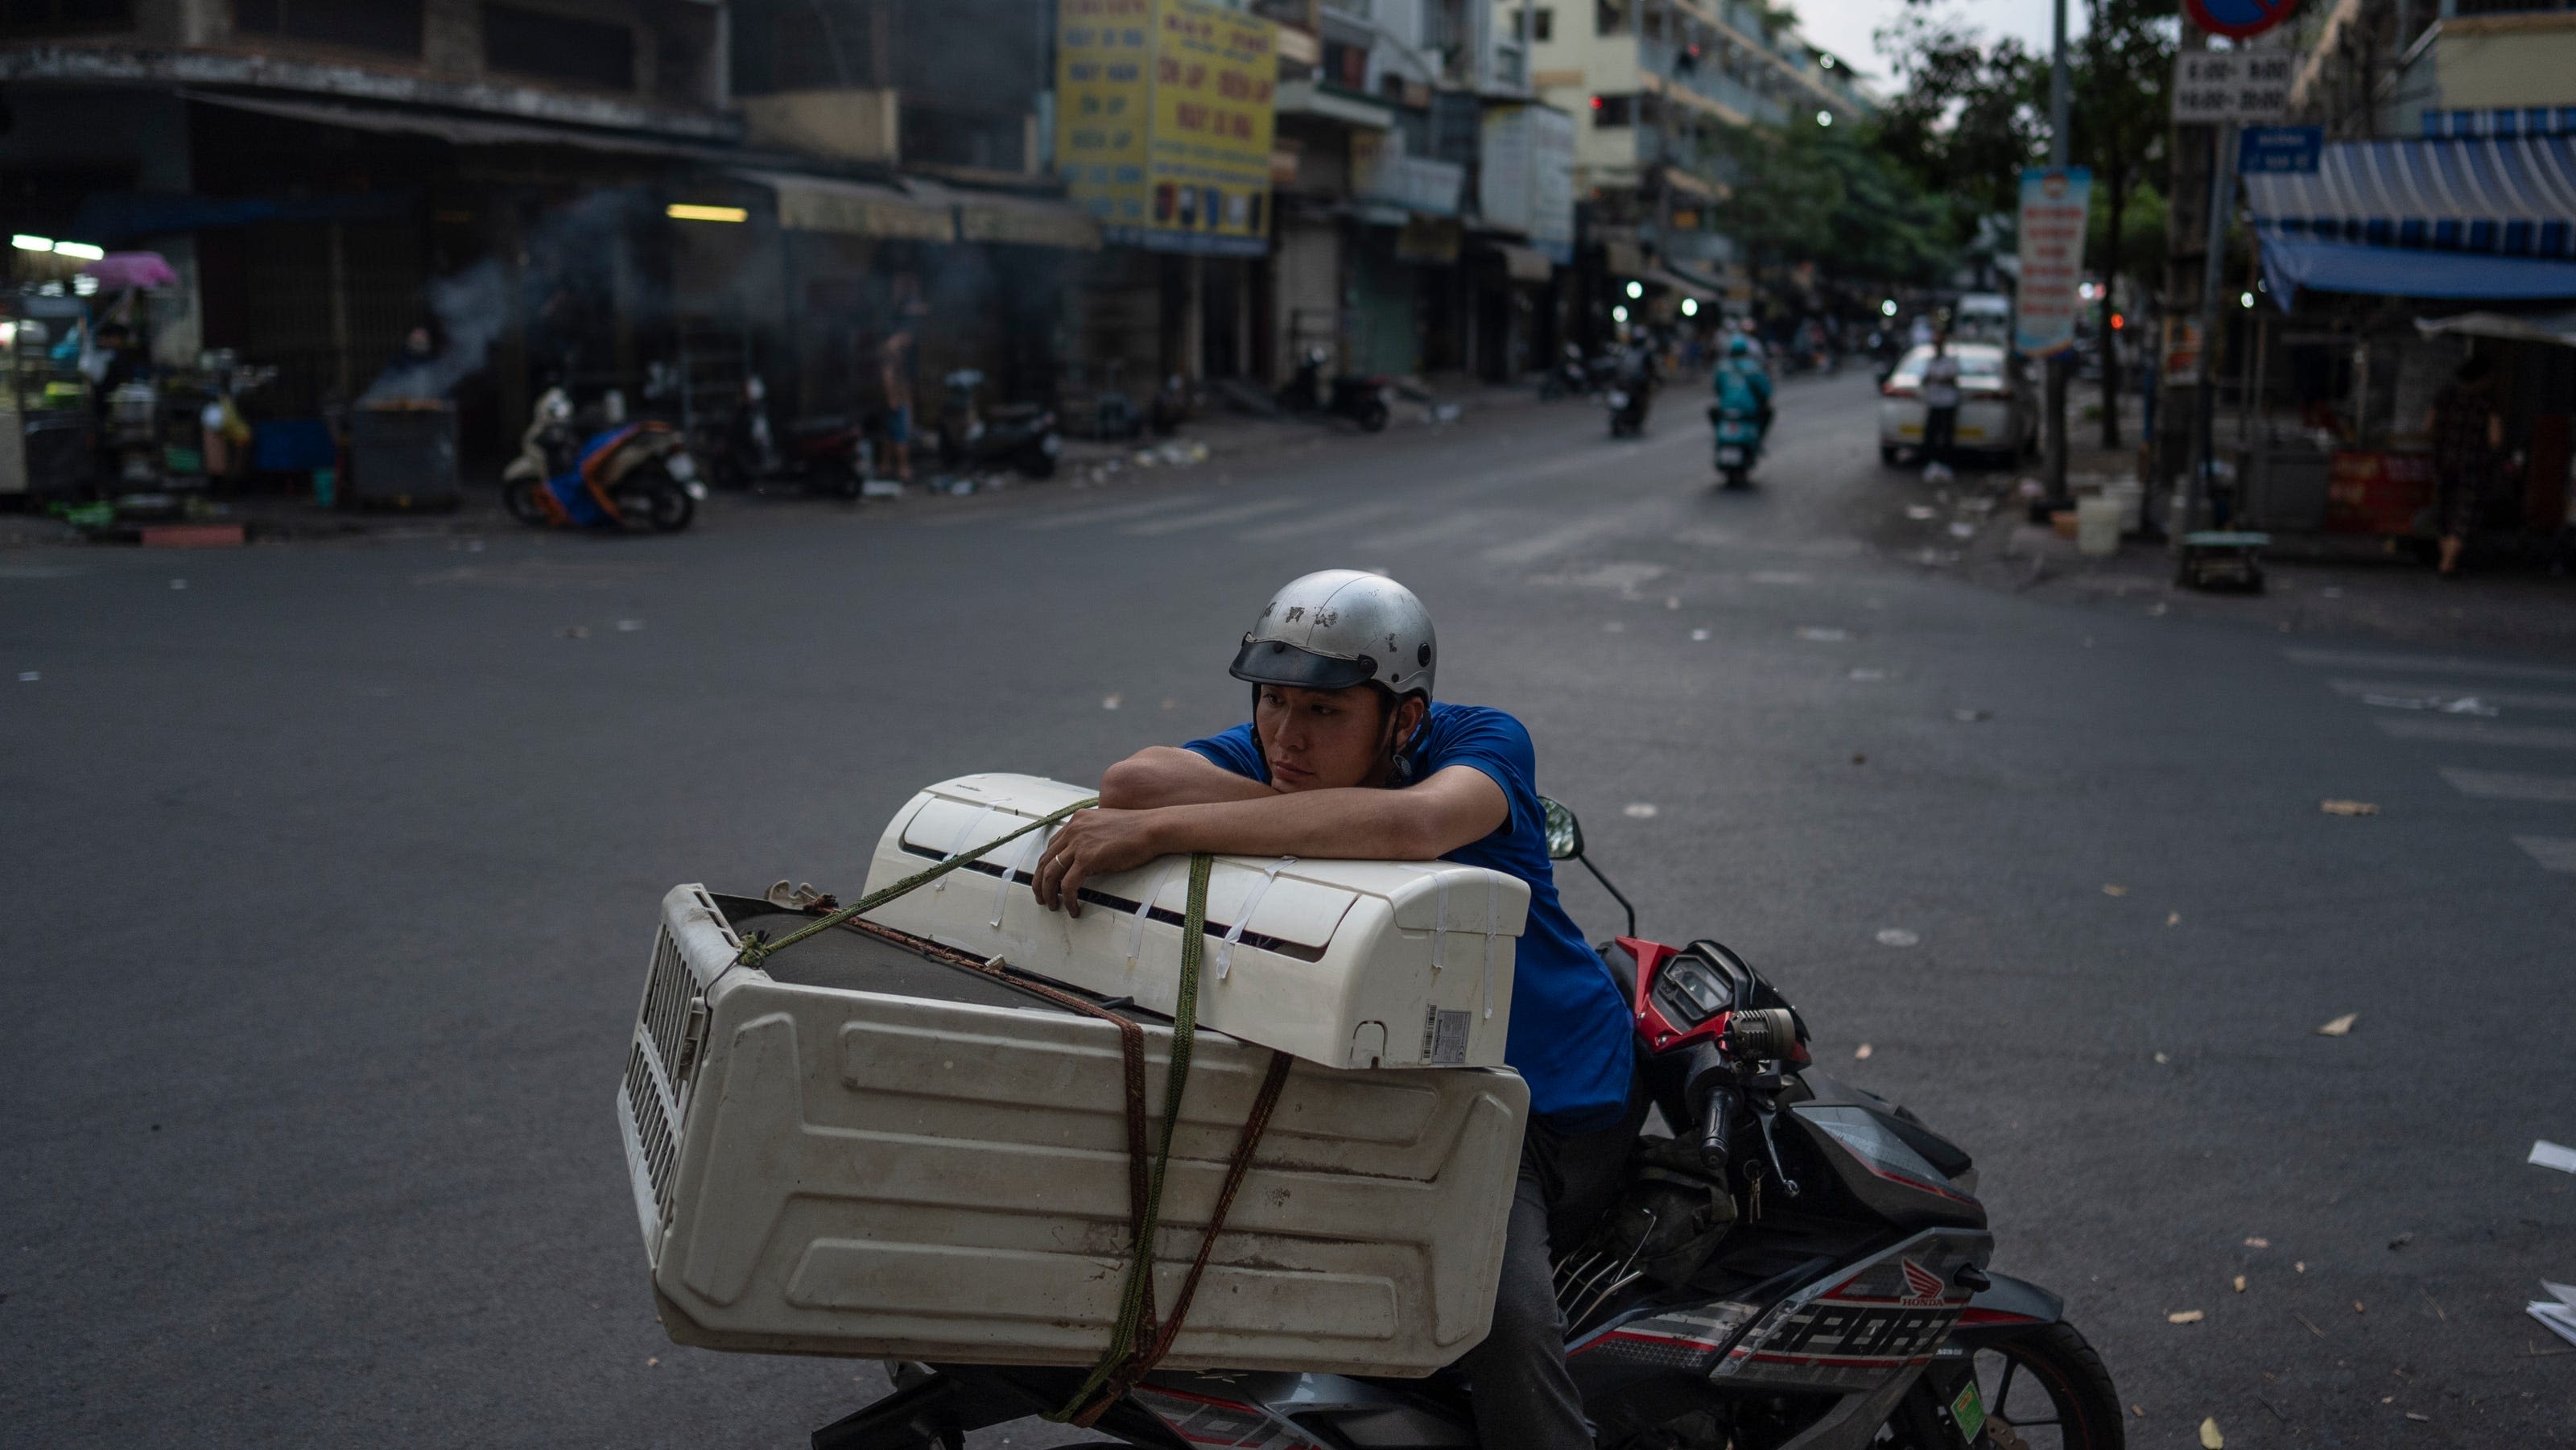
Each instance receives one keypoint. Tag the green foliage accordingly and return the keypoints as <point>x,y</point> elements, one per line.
<point>2140,254</point>
<point>1831,196</point>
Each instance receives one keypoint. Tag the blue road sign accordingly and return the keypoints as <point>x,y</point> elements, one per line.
<point>2279,149</point>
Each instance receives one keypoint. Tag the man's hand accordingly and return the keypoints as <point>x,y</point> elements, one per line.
<point>1093,843</point>
<point>1166,775</point>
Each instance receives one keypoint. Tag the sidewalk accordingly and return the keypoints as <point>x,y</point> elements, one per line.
<point>1216,435</point>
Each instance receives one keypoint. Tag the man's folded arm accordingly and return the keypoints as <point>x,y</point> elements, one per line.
<point>1455,806</point>
<point>1167,775</point>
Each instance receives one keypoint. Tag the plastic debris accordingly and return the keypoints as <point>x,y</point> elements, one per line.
<point>1699,636</point>
<point>1862,1052</point>
<point>2399,1242</point>
<point>2348,808</point>
<point>1897,936</point>
<point>2185,1316</point>
<point>2240,1283</point>
<point>2558,1311</point>
<point>1866,674</point>
<point>2173,918</point>
<point>2258,1243</point>
<point>2300,1267</point>
<point>2339,1027</point>
<point>881,488</point>
<point>2162,1059</point>
<point>2543,1152</point>
<point>1111,702</point>
<point>1823,633</point>
<point>629,626</point>
<point>2210,1439</point>
<point>1920,512</point>
<point>29,677</point>
<point>1638,811</point>
<point>2115,890</point>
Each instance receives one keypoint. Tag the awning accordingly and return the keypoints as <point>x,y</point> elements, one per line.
<point>463,130</point>
<point>854,208</point>
<point>2557,327</point>
<point>2290,263</point>
<point>1001,216</point>
<point>1672,281</point>
<point>1522,264</point>
<point>2514,196</point>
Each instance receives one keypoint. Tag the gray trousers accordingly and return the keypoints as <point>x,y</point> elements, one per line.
<point>1523,1395</point>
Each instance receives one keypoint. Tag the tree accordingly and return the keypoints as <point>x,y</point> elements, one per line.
<point>1831,196</point>
<point>2117,125</point>
<point>1969,117</point>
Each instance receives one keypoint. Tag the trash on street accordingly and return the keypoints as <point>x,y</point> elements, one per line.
<point>2340,1026</point>
<point>2543,1152</point>
<point>2347,808</point>
<point>1896,936</point>
<point>2185,1316</point>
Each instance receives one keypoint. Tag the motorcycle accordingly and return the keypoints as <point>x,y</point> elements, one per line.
<point>1573,376</point>
<point>1367,401</point>
<point>827,455</point>
<point>1739,443</point>
<point>1631,392</point>
<point>626,475</point>
<point>1022,435</point>
<point>1803,1264</point>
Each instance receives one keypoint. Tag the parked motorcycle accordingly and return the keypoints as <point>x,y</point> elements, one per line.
<point>626,475</point>
<point>1804,1264</point>
<point>1573,376</point>
<point>1365,400</point>
<point>1022,435</point>
<point>1739,443</point>
<point>827,455</point>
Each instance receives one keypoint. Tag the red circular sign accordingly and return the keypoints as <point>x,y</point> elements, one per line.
<point>2237,19</point>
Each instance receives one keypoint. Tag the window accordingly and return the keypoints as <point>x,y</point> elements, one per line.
<point>1542,24</point>
<point>64,17</point>
<point>1609,17</point>
<point>558,47</point>
<point>391,26</point>
<point>1612,112</point>
<point>1345,65</point>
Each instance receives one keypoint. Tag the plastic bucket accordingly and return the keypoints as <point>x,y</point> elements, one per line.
<point>2097,526</point>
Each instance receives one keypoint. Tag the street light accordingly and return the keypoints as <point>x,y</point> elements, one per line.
<point>1887,308</point>
<point>1824,118</point>
<point>1618,314</point>
<point>1636,290</point>
<point>2244,299</point>
<point>1690,307</point>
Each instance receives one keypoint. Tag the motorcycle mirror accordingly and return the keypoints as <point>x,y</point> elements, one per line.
<point>1564,832</point>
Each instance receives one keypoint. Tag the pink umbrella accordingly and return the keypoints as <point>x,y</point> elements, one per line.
<point>131,269</point>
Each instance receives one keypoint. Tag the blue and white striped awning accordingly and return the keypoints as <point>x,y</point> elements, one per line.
<point>2509,196</point>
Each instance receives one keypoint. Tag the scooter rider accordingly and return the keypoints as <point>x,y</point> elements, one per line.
<point>1742,384</point>
<point>1347,756</point>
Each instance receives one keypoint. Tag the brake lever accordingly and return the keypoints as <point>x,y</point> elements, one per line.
<point>1763,1113</point>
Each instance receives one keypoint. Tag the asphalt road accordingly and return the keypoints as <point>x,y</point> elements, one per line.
<point>334,872</point>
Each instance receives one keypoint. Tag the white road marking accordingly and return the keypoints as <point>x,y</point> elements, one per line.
<point>2501,785</point>
<point>1323,523</point>
<point>2507,699</point>
<point>2554,853</point>
<point>1213,517</point>
<point>2478,732</point>
<point>2431,664</point>
<point>1439,531</point>
<point>1109,513</point>
<point>1570,535</point>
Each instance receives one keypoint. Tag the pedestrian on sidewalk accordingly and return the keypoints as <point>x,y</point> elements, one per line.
<point>896,359</point>
<point>2467,432</point>
<point>1940,408</point>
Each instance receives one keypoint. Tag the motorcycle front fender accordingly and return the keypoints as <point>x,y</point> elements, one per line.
<point>2005,1308</point>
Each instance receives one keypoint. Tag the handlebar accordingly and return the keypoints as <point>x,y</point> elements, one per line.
<point>1718,1124</point>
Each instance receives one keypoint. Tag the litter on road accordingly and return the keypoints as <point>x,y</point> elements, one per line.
<point>2115,890</point>
<point>629,626</point>
<point>1971,717</point>
<point>2558,1311</point>
<point>1869,674</point>
<point>1638,811</point>
<point>2210,1439</point>
<point>1112,702</point>
<point>1823,633</point>
<point>1896,936</point>
<point>29,677</point>
<point>2543,1152</point>
<point>1862,1052</point>
<point>2258,1243</point>
<point>1699,636</point>
<point>2339,1027</point>
<point>2348,808</point>
<point>2240,1283</point>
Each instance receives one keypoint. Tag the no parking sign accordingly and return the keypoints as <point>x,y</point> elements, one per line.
<point>2238,19</point>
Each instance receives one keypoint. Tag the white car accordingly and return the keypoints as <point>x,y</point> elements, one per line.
<point>1996,416</point>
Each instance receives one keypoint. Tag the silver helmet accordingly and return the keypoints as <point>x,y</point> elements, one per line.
<point>1339,627</point>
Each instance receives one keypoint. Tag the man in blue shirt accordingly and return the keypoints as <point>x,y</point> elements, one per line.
<point>1347,756</point>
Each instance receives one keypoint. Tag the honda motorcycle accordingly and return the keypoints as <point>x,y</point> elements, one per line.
<point>1802,1266</point>
<point>624,475</point>
<point>1365,400</point>
<point>1739,443</point>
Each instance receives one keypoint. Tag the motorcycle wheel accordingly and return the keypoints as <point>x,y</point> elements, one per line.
<point>2045,1390</point>
<point>1373,417</point>
<point>519,496</point>
<point>655,498</point>
<point>1738,478</point>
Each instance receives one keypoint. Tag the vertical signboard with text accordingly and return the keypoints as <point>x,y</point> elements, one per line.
<point>2054,201</point>
<point>1164,122</point>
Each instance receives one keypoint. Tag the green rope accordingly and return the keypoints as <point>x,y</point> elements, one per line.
<point>754,951</point>
<point>1131,1330</point>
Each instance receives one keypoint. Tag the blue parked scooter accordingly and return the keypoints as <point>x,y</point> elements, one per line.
<point>627,475</point>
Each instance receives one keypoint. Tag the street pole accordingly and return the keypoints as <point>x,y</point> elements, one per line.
<point>2222,196</point>
<point>2057,361</point>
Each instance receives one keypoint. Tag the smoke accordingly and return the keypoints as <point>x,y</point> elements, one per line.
<point>471,307</point>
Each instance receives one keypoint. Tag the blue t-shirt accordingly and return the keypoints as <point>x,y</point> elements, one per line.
<point>1572,1036</point>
